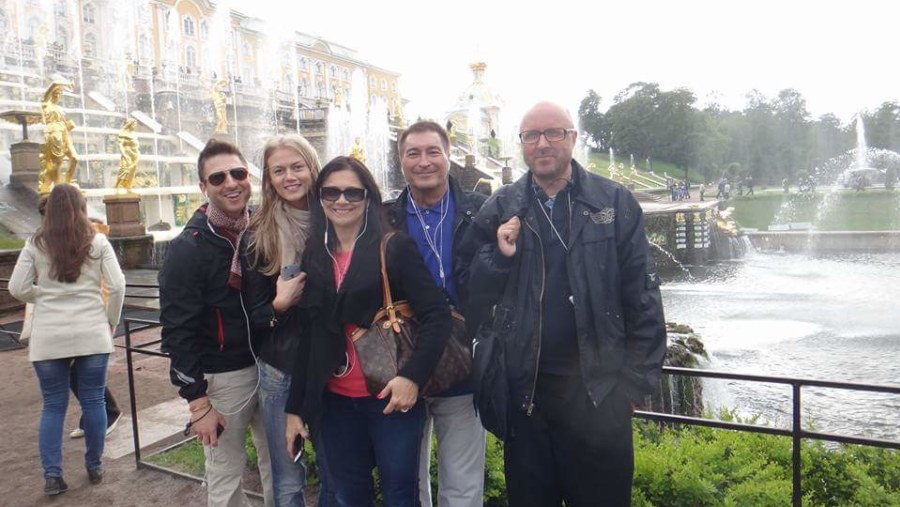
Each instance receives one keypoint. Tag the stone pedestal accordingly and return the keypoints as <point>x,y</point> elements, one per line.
<point>130,241</point>
<point>123,214</point>
<point>26,164</point>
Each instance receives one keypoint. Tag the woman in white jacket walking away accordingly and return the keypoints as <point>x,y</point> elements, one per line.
<point>60,271</point>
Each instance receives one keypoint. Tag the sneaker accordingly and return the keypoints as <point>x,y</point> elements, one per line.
<point>95,476</point>
<point>54,486</point>
<point>77,433</point>
<point>113,423</point>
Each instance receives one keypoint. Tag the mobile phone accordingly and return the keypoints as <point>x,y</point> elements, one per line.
<point>298,448</point>
<point>290,271</point>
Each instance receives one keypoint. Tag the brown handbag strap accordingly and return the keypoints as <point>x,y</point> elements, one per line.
<point>388,300</point>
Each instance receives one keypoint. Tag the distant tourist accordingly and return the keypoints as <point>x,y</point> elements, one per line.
<point>572,369</point>
<point>205,329</point>
<point>721,189</point>
<point>60,271</point>
<point>740,186</point>
<point>702,190</point>
<point>749,184</point>
<point>687,189</point>
<point>727,190</point>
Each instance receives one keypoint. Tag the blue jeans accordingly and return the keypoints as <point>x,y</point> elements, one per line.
<point>288,478</point>
<point>53,376</point>
<point>358,437</point>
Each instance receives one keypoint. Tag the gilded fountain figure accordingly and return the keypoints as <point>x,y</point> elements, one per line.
<point>57,139</point>
<point>129,148</point>
<point>219,104</point>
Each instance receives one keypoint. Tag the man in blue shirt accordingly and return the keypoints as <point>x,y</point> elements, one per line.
<point>436,213</point>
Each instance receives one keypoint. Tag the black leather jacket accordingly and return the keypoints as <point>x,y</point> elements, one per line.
<point>204,328</point>
<point>620,326</point>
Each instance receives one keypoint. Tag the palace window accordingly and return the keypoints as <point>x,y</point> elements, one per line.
<point>204,30</point>
<point>320,68</point>
<point>88,14</point>
<point>372,82</point>
<point>346,74</point>
<point>187,25</point>
<point>90,44</point>
<point>190,58</point>
<point>383,84</point>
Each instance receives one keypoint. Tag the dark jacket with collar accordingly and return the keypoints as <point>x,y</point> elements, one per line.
<point>467,206</point>
<point>277,336</point>
<point>357,301</point>
<point>620,326</point>
<point>204,328</point>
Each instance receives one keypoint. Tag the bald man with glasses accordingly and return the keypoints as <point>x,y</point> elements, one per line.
<point>562,275</point>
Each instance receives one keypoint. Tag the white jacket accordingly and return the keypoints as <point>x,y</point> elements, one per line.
<point>70,319</point>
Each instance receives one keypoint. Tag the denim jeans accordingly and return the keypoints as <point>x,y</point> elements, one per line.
<point>358,437</point>
<point>53,376</point>
<point>288,478</point>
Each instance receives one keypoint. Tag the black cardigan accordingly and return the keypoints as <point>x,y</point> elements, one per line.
<point>357,301</point>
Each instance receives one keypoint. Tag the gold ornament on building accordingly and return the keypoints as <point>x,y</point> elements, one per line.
<point>338,97</point>
<point>57,140</point>
<point>130,150</point>
<point>219,103</point>
<point>357,151</point>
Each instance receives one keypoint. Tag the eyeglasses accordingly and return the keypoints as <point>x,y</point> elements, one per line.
<point>237,174</point>
<point>551,135</point>
<point>351,194</point>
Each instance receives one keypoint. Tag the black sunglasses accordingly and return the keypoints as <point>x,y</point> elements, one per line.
<point>351,194</point>
<point>237,174</point>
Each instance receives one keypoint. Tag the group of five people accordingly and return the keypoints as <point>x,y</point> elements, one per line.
<point>258,311</point>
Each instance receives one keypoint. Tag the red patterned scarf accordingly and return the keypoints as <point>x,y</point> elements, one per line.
<point>233,229</point>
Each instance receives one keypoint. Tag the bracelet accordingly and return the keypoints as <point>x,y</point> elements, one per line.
<point>187,427</point>
<point>201,407</point>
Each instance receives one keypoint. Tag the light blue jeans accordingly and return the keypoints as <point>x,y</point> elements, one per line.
<point>288,478</point>
<point>53,376</point>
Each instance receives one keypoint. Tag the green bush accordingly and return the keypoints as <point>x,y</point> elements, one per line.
<point>693,466</point>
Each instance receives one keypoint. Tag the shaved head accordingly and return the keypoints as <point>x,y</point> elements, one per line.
<point>548,109</point>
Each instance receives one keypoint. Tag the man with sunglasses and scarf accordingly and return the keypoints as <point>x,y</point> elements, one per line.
<point>436,212</point>
<point>205,330</point>
<point>563,255</point>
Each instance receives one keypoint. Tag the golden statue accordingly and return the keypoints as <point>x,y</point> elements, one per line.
<point>57,141</point>
<point>357,151</point>
<point>130,150</point>
<point>338,97</point>
<point>219,103</point>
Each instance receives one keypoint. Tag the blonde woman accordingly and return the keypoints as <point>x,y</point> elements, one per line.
<point>279,231</point>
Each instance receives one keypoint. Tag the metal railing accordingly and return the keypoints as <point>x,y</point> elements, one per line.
<point>796,432</point>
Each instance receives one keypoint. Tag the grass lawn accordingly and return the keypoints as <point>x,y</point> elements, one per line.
<point>846,210</point>
<point>10,243</point>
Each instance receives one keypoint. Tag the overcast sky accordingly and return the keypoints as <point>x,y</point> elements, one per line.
<point>841,57</point>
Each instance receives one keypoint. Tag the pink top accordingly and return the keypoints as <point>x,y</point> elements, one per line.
<point>351,382</point>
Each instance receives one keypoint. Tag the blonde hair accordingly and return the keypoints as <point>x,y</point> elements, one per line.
<point>264,250</point>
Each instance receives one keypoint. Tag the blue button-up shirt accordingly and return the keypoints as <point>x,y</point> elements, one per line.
<point>441,234</point>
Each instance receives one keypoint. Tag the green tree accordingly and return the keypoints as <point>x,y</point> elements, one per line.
<point>593,122</point>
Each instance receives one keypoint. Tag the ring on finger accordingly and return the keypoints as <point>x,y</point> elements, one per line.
<point>404,410</point>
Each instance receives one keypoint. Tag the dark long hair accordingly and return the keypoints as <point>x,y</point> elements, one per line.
<point>65,235</point>
<point>366,250</point>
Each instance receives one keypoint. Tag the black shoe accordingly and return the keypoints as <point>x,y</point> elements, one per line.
<point>95,476</point>
<point>54,486</point>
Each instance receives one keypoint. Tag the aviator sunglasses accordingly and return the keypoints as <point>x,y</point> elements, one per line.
<point>351,194</point>
<point>217,178</point>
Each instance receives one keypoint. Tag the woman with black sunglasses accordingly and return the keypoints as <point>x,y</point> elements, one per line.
<point>362,430</point>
